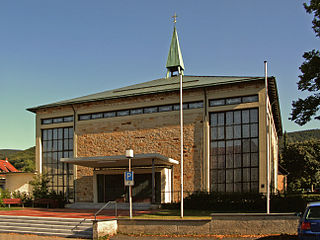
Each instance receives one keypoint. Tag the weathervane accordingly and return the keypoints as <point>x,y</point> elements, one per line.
<point>175,18</point>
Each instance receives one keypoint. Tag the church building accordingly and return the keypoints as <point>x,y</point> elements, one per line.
<point>231,126</point>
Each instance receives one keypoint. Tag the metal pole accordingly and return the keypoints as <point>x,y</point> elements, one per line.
<point>130,192</point>
<point>267,137</point>
<point>181,141</point>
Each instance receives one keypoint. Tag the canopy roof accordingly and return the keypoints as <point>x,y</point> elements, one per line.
<point>120,161</point>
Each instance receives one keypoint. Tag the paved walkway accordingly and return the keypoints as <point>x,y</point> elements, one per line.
<point>68,213</point>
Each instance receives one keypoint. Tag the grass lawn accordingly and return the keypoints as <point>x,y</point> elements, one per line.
<point>175,214</point>
<point>10,209</point>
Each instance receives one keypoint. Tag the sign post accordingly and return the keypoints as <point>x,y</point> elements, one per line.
<point>129,179</point>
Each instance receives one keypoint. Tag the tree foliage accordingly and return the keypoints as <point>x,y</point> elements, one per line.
<point>304,109</point>
<point>40,186</point>
<point>21,160</point>
<point>302,160</point>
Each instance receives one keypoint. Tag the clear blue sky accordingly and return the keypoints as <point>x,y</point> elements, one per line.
<point>55,50</point>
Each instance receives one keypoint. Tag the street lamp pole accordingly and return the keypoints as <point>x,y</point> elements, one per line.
<point>129,155</point>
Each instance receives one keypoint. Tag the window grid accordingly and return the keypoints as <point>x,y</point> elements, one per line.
<point>234,155</point>
<point>58,143</point>
<point>57,120</point>
<point>233,100</point>
<point>138,111</point>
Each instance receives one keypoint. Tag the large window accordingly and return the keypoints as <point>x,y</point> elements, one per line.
<point>234,155</point>
<point>58,143</point>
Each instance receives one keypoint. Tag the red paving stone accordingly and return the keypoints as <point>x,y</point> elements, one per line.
<point>68,213</point>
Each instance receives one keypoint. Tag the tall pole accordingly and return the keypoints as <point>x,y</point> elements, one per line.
<point>267,137</point>
<point>130,192</point>
<point>181,142</point>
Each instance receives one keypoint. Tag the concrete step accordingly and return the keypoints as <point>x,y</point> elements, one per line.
<point>63,227</point>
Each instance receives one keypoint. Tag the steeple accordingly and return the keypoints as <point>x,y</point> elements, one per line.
<point>175,61</point>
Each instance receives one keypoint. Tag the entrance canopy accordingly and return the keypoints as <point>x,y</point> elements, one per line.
<point>121,161</point>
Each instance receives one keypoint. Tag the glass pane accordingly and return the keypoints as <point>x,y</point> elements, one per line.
<point>58,120</point>
<point>254,186</point>
<point>237,146</point>
<point>229,176</point>
<point>237,187</point>
<point>254,174</point>
<point>109,114</point>
<point>246,160</point>
<point>44,135</point>
<point>229,161</point>
<point>254,159</point>
<point>60,133</point>
<point>229,187</point>
<point>65,144</point>
<point>229,132</point>
<point>65,132</point>
<point>70,144</point>
<point>220,132</point>
<point>49,145</point>
<point>60,145</point>
<point>165,108</point>
<point>221,187</point>
<point>84,117</point>
<point>245,131</point>
<point>150,110</point>
<point>123,113</point>
<point>68,119</point>
<point>237,117</point>
<point>195,105</point>
<point>214,162</point>
<point>237,175</point>
<point>236,100</point>
<point>229,147</point>
<point>136,111</point>
<point>237,160</point>
<point>55,145</point>
<point>229,118</point>
<point>253,115</point>
<point>237,131</point>
<point>217,102</point>
<point>254,145</point>
<point>214,119</point>
<point>97,115</point>
<point>70,132</point>
<point>246,187</point>
<point>45,146</point>
<point>214,176</point>
<point>221,162</point>
<point>246,174</point>
<point>55,133</point>
<point>214,133</point>
<point>253,98</point>
<point>246,145</point>
<point>245,116</point>
<point>254,130</point>
<point>46,121</point>
<point>49,134</point>
<point>221,147</point>
<point>221,176</point>
<point>220,119</point>
<point>214,148</point>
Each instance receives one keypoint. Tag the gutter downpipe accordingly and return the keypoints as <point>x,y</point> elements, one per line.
<point>267,137</point>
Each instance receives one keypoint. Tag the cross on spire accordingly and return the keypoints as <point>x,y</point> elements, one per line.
<point>175,18</point>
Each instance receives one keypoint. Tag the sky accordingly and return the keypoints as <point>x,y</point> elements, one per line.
<point>57,50</point>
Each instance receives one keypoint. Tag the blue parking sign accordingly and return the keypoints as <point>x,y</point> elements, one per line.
<point>128,178</point>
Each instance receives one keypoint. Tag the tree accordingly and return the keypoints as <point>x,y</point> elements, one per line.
<point>40,186</point>
<point>302,160</point>
<point>304,109</point>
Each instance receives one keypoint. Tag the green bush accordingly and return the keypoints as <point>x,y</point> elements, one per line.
<point>246,202</point>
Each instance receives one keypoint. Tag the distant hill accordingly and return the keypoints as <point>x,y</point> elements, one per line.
<point>7,152</point>
<point>23,160</point>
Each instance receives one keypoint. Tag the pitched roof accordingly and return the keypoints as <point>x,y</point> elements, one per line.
<point>172,84</point>
<point>6,166</point>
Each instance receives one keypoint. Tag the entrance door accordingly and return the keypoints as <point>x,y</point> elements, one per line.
<point>111,187</point>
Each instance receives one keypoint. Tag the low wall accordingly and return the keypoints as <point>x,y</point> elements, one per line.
<point>102,228</point>
<point>241,224</point>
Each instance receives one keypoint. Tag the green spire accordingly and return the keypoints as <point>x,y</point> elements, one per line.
<point>175,61</point>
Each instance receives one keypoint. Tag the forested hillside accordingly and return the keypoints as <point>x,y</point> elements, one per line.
<point>23,160</point>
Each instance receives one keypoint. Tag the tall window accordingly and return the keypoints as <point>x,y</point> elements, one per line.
<point>58,143</point>
<point>234,151</point>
